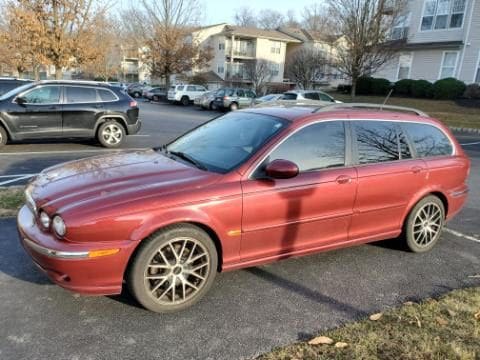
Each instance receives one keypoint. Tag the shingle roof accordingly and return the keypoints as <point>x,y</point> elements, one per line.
<point>259,33</point>
<point>307,35</point>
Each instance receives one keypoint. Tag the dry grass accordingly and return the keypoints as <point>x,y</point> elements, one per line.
<point>447,111</point>
<point>448,328</point>
<point>11,199</point>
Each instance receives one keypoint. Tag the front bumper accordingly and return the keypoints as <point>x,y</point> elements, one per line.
<point>69,265</point>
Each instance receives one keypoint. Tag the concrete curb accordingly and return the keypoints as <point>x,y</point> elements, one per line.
<point>467,130</point>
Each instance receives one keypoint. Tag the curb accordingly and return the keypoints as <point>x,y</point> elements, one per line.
<point>467,130</point>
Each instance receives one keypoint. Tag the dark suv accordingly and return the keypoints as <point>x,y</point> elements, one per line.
<point>68,109</point>
<point>7,84</point>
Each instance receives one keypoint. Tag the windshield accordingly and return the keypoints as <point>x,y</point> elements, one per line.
<point>228,141</point>
<point>15,91</point>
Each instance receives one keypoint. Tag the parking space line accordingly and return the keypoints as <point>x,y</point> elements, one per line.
<point>472,143</point>
<point>459,234</point>
<point>15,180</point>
<point>15,175</point>
<point>73,152</point>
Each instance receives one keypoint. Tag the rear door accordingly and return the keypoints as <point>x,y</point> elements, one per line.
<point>388,178</point>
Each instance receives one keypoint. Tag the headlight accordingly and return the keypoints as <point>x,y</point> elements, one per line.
<point>59,226</point>
<point>45,219</point>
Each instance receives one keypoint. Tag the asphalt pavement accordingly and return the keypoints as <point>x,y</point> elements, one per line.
<point>247,312</point>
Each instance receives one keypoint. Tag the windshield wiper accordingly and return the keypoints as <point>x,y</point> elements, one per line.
<point>188,158</point>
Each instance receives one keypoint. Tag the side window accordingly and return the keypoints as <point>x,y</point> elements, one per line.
<point>191,88</point>
<point>376,141</point>
<point>106,95</point>
<point>80,94</point>
<point>240,93</point>
<point>315,147</point>
<point>311,96</point>
<point>250,94</point>
<point>180,88</point>
<point>428,140</point>
<point>289,96</point>
<point>43,95</point>
<point>201,88</point>
<point>325,97</point>
<point>405,152</point>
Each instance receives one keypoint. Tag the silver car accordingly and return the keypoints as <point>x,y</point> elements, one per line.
<point>266,98</point>
<point>205,101</point>
<point>296,95</point>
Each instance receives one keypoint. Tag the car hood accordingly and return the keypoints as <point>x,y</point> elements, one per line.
<point>112,179</point>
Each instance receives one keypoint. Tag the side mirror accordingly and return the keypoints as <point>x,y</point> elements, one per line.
<point>281,169</point>
<point>20,100</point>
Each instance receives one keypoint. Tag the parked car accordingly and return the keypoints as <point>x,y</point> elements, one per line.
<point>120,85</point>
<point>156,94</point>
<point>308,95</point>
<point>244,189</point>
<point>68,109</point>
<point>7,84</point>
<point>233,99</point>
<point>267,98</point>
<point>205,101</point>
<point>185,94</point>
<point>135,90</point>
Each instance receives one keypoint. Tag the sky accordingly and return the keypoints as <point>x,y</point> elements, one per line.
<point>218,11</point>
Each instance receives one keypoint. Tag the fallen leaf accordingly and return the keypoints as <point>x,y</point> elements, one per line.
<point>451,313</point>
<point>474,276</point>
<point>408,303</point>
<point>341,345</point>
<point>419,324</point>
<point>441,321</point>
<point>376,317</point>
<point>321,340</point>
<point>477,315</point>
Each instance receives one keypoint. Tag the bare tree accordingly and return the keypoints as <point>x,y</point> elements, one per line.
<point>270,19</point>
<point>245,16</point>
<point>315,18</point>
<point>305,66</point>
<point>259,72</point>
<point>366,26</point>
<point>291,19</point>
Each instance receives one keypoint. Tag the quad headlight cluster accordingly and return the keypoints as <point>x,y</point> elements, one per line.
<point>57,224</point>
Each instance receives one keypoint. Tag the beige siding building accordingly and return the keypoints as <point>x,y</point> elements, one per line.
<point>442,40</point>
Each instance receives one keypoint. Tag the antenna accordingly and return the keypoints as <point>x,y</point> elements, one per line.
<point>386,99</point>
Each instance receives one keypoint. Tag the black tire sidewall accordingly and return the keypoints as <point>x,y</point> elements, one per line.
<point>185,100</point>
<point>3,136</point>
<point>408,229</point>
<point>100,137</point>
<point>135,279</point>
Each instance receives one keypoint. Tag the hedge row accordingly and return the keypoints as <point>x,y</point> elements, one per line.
<point>449,88</point>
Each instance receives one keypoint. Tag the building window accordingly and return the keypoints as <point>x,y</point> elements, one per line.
<point>275,47</point>
<point>449,63</point>
<point>443,14</point>
<point>221,46</point>
<point>220,69</point>
<point>400,30</point>
<point>275,69</point>
<point>404,66</point>
<point>477,76</point>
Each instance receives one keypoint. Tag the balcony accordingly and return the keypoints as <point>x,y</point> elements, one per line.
<point>237,72</point>
<point>399,33</point>
<point>244,49</point>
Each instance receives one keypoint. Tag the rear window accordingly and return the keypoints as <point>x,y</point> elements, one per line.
<point>289,96</point>
<point>80,94</point>
<point>428,140</point>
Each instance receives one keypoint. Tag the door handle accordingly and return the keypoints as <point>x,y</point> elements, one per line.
<point>416,169</point>
<point>344,179</point>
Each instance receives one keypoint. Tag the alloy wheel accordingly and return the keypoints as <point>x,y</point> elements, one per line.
<point>427,224</point>
<point>112,134</point>
<point>177,271</point>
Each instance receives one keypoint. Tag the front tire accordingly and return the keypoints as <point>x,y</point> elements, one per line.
<point>3,137</point>
<point>111,134</point>
<point>424,224</point>
<point>173,269</point>
<point>233,107</point>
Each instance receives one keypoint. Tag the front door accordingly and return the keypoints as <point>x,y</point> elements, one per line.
<point>305,212</point>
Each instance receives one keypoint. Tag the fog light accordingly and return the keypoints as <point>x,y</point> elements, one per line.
<point>59,226</point>
<point>45,219</point>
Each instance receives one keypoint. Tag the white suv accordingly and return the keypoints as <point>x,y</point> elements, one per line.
<point>185,93</point>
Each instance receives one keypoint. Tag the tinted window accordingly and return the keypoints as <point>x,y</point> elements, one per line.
<point>311,96</point>
<point>80,94</point>
<point>325,97</point>
<point>191,88</point>
<point>240,93</point>
<point>317,146</point>
<point>405,152</point>
<point>428,140</point>
<point>376,141</point>
<point>250,94</point>
<point>106,95</point>
<point>43,95</point>
<point>289,96</point>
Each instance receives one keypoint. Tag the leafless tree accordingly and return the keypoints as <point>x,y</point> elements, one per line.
<point>366,26</point>
<point>259,72</point>
<point>245,16</point>
<point>270,19</point>
<point>305,66</point>
<point>291,19</point>
<point>315,18</point>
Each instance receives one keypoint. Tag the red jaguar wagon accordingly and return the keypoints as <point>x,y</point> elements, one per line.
<point>244,189</point>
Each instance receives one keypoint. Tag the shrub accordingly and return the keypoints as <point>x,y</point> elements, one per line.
<point>344,88</point>
<point>364,85</point>
<point>449,88</point>
<point>421,88</point>
<point>379,86</point>
<point>472,91</point>
<point>403,87</point>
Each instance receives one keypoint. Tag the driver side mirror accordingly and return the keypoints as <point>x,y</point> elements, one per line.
<point>281,169</point>
<point>20,100</point>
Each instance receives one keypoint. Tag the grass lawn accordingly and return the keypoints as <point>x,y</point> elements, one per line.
<point>445,110</point>
<point>447,328</point>
<point>11,199</point>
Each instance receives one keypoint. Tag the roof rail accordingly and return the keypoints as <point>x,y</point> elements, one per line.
<point>370,106</point>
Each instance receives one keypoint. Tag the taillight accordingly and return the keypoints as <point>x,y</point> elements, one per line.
<point>225,98</point>
<point>133,104</point>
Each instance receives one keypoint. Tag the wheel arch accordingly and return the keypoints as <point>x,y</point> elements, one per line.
<point>435,192</point>
<point>104,118</point>
<point>3,124</point>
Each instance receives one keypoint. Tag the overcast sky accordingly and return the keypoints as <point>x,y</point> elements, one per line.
<point>217,11</point>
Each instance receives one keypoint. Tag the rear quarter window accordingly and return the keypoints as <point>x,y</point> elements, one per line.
<point>428,140</point>
<point>106,95</point>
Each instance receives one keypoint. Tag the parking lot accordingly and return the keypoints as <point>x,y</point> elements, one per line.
<point>247,312</point>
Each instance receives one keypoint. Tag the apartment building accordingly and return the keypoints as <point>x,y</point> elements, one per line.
<point>442,39</point>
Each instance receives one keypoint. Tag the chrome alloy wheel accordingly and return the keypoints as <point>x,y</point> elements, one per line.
<point>177,271</point>
<point>112,134</point>
<point>427,224</point>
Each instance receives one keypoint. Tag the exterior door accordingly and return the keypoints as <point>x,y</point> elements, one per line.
<point>388,178</point>
<point>308,211</point>
<point>40,114</point>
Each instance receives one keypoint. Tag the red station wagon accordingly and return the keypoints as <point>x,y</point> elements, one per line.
<point>244,189</point>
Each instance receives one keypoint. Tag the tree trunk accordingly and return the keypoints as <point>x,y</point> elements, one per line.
<point>354,88</point>
<point>36,72</point>
<point>58,73</point>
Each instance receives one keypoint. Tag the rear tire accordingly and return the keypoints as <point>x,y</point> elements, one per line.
<point>173,268</point>
<point>156,98</point>
<point>424,224</point>
<point>3,137</point>
<point>185,101</point>
<point>233,107</point>
<point>210,106</point>
<point>111,134</point>
<point>136,94</point>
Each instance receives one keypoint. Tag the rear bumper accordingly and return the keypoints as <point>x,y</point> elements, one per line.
<point>134,128</point>
<point>69,265</point>
<point>456,200</point>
